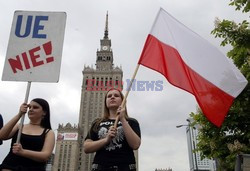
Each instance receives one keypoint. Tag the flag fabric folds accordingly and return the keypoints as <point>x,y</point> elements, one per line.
<point>189,62</point>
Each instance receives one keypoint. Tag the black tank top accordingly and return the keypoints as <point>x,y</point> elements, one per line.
<point>19,163</point>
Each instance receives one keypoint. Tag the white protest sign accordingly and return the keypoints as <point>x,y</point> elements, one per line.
<point>35,47</point>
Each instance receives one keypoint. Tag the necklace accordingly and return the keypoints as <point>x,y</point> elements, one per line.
<point>33,123</point>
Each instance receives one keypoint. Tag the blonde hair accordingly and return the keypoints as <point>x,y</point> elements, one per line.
<point>106,113</point>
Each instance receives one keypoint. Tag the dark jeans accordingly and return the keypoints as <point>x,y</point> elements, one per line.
<point>130,167</point>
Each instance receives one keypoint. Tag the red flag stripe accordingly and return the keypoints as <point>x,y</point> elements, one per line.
<point>166,60</point>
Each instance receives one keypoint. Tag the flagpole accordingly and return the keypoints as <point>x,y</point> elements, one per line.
<point>126,94</point>
<point>23,116</point>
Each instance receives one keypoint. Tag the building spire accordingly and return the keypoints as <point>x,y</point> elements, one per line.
<point>106,32</point>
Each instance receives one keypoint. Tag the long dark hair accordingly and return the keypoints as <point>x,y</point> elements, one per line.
<point>45,122</point>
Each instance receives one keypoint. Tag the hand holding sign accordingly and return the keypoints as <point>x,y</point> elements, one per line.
<point>35,49</point>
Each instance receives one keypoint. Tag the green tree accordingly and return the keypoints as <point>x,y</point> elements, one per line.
<point>233,137</point>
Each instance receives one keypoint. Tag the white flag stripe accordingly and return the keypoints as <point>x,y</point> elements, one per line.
<point>206,59</point>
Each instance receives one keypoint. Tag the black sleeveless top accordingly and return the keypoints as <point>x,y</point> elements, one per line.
<point>19,163</point>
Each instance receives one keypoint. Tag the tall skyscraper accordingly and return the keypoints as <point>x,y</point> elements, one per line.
<point>195,161</point>
<point>96,81</point>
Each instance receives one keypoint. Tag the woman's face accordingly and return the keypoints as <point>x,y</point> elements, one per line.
<point>35,110</point>
<point>113,99</point>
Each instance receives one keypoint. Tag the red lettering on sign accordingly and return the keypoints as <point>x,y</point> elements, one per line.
<point>15,64</point>
<point>48,49</point>
<point>33,55</point>
<point>25,60</point>
<point>34,58</point>
<point>70,135</point>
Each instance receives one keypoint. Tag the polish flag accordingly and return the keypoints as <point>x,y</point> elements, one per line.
<point>191,63</point>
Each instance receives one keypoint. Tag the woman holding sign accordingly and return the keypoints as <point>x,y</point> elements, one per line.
<point>36,142</point>
<point>113,146</point>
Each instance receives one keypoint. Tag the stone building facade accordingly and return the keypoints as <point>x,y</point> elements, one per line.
<point>69,154</point>
<point>67,148</point>
<point>96,81</point>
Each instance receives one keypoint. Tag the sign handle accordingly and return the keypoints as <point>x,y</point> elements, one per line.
<point>22,119</point>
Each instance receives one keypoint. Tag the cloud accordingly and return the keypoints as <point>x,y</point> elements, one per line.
<point>130,21</point>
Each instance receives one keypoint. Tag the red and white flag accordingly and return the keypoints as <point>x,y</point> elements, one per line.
<point>191,63</point>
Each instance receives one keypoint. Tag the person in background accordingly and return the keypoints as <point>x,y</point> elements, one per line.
<point>113,146</point>
<point>1,125</point>
<point>37,139</point>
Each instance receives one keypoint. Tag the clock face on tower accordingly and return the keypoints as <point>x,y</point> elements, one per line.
<point>104,48</point>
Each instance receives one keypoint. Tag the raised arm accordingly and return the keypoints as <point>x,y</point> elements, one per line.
<point>132,138</point>
<point>9,129</point>
<point>40,156</point>
<point>91,146</point>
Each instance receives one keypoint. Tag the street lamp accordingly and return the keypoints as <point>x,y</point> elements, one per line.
<point>191,134</point>
<point>179,126</point>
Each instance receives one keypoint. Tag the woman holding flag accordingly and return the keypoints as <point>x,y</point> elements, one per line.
<point>113,144</point>
<point>36,142</point>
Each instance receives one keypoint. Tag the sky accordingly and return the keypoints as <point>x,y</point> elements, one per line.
<point>158,112</point>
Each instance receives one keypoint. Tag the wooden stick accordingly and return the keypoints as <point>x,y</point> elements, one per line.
<point>126,94</point>
<point>22,119</point>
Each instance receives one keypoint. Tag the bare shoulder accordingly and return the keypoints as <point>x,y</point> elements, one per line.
<point>50,133</point>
